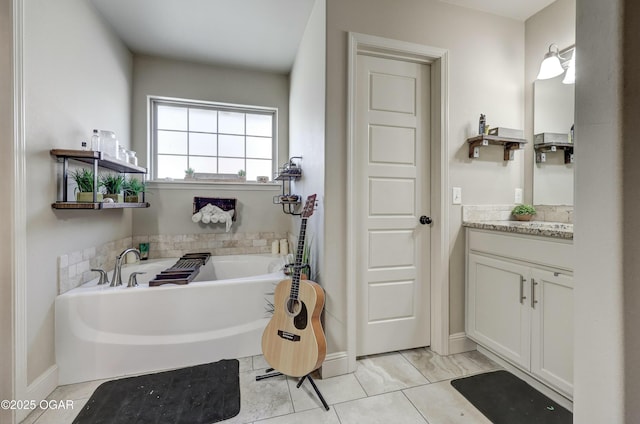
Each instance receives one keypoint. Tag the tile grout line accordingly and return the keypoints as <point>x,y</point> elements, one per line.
<point>413,365</point>
<point>416,408</point>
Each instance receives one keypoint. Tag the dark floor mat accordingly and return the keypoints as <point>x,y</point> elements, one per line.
<point>505,399</point>
<point>202,394</point>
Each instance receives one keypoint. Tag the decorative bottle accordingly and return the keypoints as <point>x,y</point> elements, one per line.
<point>482,124</point>
<point>95,141</point>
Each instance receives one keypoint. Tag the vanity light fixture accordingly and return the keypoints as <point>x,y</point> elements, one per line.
<point>570,76</point>
<point>550,66</point>
<point>555,62</point>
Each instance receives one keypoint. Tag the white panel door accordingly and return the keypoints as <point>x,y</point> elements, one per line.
<point>392,186</point>
<point>498,307</point>
<point>552,328</point>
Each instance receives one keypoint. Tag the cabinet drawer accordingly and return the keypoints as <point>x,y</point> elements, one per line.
<point>555,253</point>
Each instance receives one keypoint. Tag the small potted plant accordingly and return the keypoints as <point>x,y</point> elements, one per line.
<point>84,179</point>
<point>113,185</point>
<point>132,188</point>
<point>523,212</point>
<point>242,175</point>
<point>189,173</point>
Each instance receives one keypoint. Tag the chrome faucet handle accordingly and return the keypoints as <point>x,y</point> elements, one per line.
<point>133,280</point>
<point>104,278</point>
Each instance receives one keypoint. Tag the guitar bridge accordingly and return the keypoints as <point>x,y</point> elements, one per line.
<point>289,336</point>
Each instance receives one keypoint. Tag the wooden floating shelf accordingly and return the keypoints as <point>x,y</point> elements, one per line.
<point>98,205</point>
<point>543,148</point>
<point>97,160</point>
<point>509,145</point>
<point>90,156</point>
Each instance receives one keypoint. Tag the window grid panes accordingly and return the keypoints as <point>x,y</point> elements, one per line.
<point>212,139</point>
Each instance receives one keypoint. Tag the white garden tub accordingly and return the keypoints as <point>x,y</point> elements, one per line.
<point>104,332</point>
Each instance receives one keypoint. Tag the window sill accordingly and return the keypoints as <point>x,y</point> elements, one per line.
<point>217,185</point>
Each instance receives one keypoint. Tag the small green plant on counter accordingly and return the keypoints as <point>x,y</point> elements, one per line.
<point>84,179</point>
<point>112,183</point>
<point>189,172</point>
<point>524,210</point>
<point>242,173</point>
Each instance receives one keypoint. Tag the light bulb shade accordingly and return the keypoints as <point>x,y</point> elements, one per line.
<point>570,76</point>
<point>550,66</point>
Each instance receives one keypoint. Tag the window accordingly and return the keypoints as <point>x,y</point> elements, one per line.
<point>211,138</point>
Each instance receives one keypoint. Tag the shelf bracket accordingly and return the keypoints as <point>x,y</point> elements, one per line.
<point>508,144</point>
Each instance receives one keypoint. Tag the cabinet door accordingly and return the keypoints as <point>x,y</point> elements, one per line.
<point>498,314</point>
<point>552,329</point>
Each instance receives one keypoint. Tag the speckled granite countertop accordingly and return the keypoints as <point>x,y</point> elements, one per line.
<point>535,228</point>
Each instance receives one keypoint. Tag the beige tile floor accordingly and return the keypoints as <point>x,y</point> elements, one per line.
<point>405,387</point>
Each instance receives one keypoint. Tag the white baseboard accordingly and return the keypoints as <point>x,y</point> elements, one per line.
<point>335,364</point>
<point>39,389</point>
<point>459,343</point>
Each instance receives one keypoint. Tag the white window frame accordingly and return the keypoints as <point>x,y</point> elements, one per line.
<point>152,149</point>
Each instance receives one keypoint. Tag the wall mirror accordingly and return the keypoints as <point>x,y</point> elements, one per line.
<point>553,113</point>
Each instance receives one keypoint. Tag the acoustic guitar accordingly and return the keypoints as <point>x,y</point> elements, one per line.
<point>293,342</point>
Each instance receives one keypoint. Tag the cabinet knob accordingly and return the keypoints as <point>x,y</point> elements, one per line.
<point>424,220</point>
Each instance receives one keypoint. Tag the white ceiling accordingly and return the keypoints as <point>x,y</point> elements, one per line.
<point>515,9</point>
<point>257,34</point>
<point>261,34</point>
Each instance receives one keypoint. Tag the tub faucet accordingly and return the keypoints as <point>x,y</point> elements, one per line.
<point>116,280</point>
<point>104,278</point>
<point>133,279</point>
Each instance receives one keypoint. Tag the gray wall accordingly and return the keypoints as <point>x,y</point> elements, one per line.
<point>606,293</point>
<point>306,137</point>
<point>631,201</point>
<point>485,76</point>
<point>77,77</point>
<point>6,186</point>
<point>171,208</point>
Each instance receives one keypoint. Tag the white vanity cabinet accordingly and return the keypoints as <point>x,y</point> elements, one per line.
<point>519,302</point>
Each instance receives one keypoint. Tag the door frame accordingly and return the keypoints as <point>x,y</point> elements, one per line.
<point>438,59</point>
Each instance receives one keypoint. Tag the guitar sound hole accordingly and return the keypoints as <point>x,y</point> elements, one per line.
<point>298,310</point>
<point>293,306</point>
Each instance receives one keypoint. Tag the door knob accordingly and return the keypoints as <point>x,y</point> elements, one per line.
<point>424,220</point>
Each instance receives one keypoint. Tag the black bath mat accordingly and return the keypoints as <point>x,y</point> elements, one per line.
<point>203,394</point>
<point>505,399</point>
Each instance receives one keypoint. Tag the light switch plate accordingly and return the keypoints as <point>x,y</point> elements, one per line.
<point>518,196</point>
<point>457,196</point>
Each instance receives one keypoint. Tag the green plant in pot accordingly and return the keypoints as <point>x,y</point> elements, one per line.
<point>132,188</point>
<point>189,173</point>
<point>113,185</point>
<point>84,179</point>
<point>523,212</point>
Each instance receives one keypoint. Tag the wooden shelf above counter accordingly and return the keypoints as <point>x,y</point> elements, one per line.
<point>543,148</point>
<point>509,145</point>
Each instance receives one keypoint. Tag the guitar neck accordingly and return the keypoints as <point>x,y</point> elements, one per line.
<point>297,267</point>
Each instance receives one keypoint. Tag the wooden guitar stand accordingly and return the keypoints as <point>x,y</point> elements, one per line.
<point>270,374</point>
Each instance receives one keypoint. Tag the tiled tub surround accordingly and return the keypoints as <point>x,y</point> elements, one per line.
<point>499,218</point>
<point>74,268</point>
